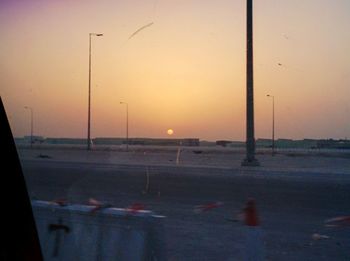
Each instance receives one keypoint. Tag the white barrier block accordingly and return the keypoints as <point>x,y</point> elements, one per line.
<point>75,233</point>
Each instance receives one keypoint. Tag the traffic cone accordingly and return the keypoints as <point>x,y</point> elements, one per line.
<point>254,243</point>
<point>251,214</point>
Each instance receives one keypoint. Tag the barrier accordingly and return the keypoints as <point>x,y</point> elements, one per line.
<point>75,232</point>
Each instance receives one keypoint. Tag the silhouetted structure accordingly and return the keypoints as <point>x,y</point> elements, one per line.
<point>273,123</point>
<point>119,141</point>
<point>333,144</point>
<point>250,159</point>
<point>223,143</point>
<point>127,125</point>
<point>31,125</point>
<point>89,100</point>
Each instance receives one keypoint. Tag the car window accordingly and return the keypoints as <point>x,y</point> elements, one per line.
<point>182,130</point>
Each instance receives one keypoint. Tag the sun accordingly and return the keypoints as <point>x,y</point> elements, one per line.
<point>170,132</point>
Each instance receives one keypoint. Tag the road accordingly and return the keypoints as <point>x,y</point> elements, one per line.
<point>291,208</point>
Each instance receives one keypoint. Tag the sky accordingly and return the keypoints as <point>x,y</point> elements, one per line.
<point>184,72</point>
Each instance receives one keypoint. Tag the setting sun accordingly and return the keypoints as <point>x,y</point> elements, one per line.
<point>170,132</point>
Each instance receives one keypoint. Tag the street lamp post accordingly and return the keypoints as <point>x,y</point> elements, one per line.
<point>89,102</point>
<point>31,125</point>
<point>273,123</point>
<point>127,125</point>
<point>250,159</point>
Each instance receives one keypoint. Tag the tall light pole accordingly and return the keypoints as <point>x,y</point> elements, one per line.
<point>89,102</point>
<point>127,125</point>
<point>250,159</point>
<point>273,123</point>
<point>31,125</point>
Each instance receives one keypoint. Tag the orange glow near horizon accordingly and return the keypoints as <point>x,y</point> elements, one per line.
<point>186,71</point>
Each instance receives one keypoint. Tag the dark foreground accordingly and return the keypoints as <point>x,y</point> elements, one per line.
<point>291,208</point>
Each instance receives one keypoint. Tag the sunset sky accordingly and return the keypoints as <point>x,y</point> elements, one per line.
<point>185,72</point>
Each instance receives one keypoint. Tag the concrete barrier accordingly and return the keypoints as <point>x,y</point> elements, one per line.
<point>74,232</point>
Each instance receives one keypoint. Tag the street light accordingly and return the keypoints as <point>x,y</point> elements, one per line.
<point>273,123</point>
<point>31,125</point>
<point>127,125</point>
<point>89,102</point>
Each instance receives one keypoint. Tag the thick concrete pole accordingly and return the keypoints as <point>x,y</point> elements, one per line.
<point>250,140</point>
<point>89,99</point>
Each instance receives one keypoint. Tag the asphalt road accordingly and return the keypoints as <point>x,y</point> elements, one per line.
<point>291,208</point>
